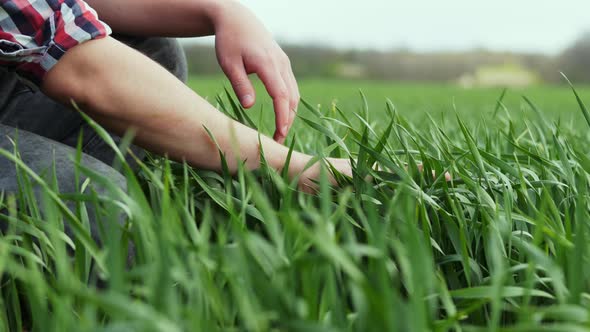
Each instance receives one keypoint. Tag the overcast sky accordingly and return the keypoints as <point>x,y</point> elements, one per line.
<point>545,26</point>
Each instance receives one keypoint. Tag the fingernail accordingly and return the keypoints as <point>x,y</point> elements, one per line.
<point>285,130</point>
<point>247,99</point>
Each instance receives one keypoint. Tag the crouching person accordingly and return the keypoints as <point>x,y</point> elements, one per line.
<point>75,50</point>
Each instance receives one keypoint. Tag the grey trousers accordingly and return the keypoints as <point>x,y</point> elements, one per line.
<point>48,131</point>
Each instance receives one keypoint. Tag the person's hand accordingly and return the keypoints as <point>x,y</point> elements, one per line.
<point>308,179</point>
<point>243,46</point>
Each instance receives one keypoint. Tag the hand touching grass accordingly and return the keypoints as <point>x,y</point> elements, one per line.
<point>243,47</point>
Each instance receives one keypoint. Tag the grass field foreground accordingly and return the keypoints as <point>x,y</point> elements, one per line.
<point>504,246</point>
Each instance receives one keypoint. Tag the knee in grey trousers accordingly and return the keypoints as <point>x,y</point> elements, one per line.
<point>47,131</point>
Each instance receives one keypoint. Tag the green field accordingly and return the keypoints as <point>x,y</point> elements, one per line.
<point>503,246</point>
<point>414,100</point>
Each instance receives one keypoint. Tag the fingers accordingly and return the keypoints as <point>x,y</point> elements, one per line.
<point>291,84</point>
<point>434,175</point>
<point>236,73</point>
<point>274,70</point>
<point>277,89</point>
<point>282,119</point>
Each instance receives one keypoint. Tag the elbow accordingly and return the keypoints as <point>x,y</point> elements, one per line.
<point>77,78</point>
<point>65,84</point>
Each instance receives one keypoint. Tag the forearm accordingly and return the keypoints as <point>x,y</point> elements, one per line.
<point>171,18</point>
<point>123,88</point>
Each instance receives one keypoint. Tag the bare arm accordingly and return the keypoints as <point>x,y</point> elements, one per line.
<point>170,18</point>
<point>122,88</point>
<point>243,45</point>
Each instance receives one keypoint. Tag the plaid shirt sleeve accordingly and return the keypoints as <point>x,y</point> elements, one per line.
<point>35,34</point>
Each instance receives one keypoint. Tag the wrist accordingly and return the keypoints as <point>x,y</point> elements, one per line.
<point>298,163</point>
<point>217,11</point>
<point>276,157</point>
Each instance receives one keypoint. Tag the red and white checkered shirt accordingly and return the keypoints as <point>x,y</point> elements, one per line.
<point>35,34</point>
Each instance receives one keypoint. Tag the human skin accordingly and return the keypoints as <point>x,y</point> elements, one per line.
<point>122,89</point>
<point>243,45</point>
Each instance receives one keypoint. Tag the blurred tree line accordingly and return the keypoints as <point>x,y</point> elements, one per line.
<point>405,65</point>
